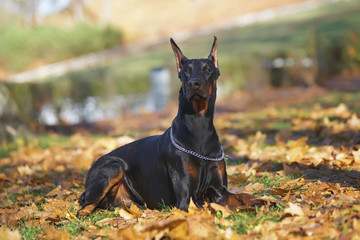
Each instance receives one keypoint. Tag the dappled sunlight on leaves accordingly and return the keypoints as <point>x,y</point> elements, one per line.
<point>303,163</point>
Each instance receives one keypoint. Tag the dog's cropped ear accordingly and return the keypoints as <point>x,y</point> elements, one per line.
<point>213,54</point>
<point>179,56</point>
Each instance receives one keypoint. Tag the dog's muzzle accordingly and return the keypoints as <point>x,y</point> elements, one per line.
<point>195,90</point>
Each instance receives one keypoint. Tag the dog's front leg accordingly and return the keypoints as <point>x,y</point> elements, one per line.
<point>223,197</point>
<point>181,189</point>
<point>182,196</point>
<point>218,192</point>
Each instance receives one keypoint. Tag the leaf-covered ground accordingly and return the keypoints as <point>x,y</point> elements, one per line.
<point>299,153</point>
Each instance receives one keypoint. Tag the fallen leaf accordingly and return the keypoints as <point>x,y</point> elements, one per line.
<point>294,210</point>
<point>54,192</point>
<point>51,233</point>
<point>7,234</point>
<point>224,210</point>
<point>252,187</point>
<point>125,214</point>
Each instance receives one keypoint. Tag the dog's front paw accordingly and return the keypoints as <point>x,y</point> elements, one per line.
<point>243,199</point>
<point>82,213</point>
<point>247,199</point>
<point>85,211</point>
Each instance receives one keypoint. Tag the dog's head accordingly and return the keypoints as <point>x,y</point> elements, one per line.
<point>198,77</point>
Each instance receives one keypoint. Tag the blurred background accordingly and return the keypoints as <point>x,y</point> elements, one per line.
<point>67,65</point>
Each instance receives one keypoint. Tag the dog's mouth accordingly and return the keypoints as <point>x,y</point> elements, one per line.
<point>197,97</point>
<point>200,102</point>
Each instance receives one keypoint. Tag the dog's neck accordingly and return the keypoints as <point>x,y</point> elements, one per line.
<point>195,131</point>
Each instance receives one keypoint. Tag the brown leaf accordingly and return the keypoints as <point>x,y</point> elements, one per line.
<point>269,200</point>
<point>57,234</point>
<point>252,188</point>
<point>25,212</point>
<point>57,207</point>
<point>283,135</point>
<point>292,169</point>
<point>54,192</point>
<point>238,178</point>
<point>173,228</point>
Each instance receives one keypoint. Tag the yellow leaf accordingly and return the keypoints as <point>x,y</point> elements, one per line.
<point>356,225</point>
<point>224,210</point>
<point>192,207</point>
<point>342,111</point>
<point>134,210</point>
<point>294,210</point>
<point>301,142</point>
<point>287,196</point>
<point>295,154</point>
<point>125,214</point>
<point>25,170</point>
<point>7,234</point>
<point>356,155</point>
<point>354,122</point>
<point>356,208</point>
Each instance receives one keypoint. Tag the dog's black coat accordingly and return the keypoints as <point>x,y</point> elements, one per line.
<point>152,172</point>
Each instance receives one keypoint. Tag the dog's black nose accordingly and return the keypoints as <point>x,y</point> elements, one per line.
<point>194,84</point>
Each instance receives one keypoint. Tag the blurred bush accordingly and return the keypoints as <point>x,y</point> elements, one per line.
<point>21,49</point>
<point>322,60</point>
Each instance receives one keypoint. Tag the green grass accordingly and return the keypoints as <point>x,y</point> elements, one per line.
<point>164,208</point>
<point>268,181</point>
<point>7,147</point>
<point>246,220</point>
<point>42,141</point>
<point>29,232</point>
<point>19,47</point>
<point>73,227</point>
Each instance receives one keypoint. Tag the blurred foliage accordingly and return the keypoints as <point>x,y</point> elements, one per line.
<point>328,37</point>
<point>20,48</point>
<point>29,97</point>
<point>331,58</point>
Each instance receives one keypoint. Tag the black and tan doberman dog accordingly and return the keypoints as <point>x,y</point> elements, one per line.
<point>185,162</point>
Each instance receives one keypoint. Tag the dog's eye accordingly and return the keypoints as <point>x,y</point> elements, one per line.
<point>188,70</point>
<point>207,70</point>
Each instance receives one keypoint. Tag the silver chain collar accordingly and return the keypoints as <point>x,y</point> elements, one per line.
<point>195,154</point>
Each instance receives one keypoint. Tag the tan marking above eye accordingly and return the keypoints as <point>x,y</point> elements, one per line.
<point>206,68</point>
